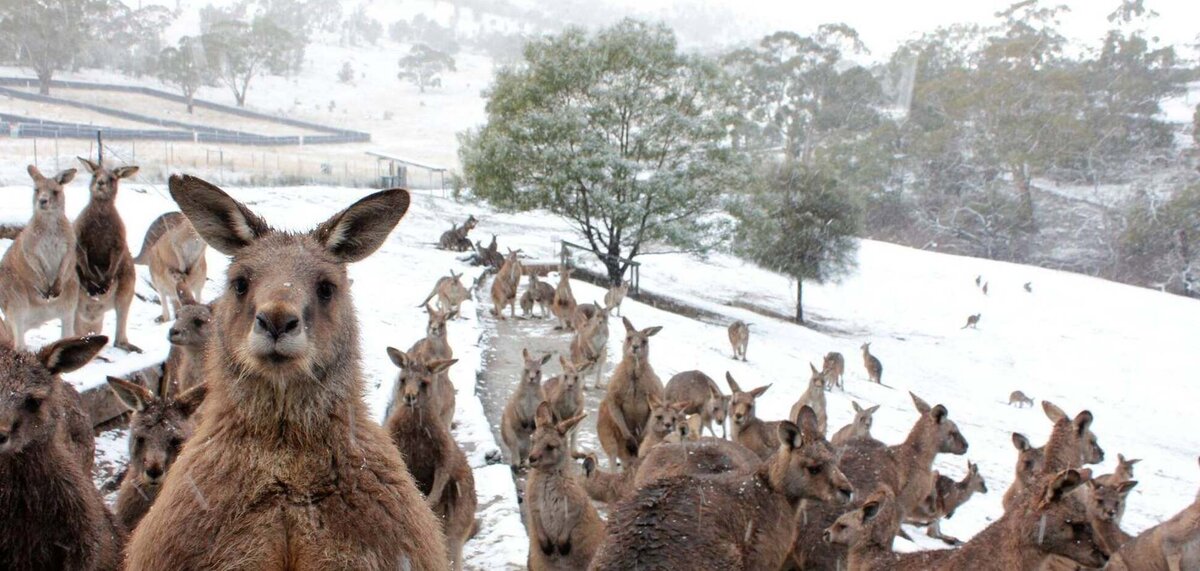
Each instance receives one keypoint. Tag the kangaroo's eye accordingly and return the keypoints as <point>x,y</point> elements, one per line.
<point>240,286</point>
<point>325,290</point>
<point>198,323</point>
<point>32,404</point>
<point>815,470</point>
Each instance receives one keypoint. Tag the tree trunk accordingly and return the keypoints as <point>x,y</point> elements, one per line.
<point>44,78</point>
<point>799,301</point>
<point>1025,195</point>
<point>191,100</point>
<point>613,266</point>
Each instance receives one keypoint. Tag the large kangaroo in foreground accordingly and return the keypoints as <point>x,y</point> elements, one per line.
<point>287,469</point>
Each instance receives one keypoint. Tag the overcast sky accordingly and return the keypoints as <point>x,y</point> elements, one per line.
<point>885,23</point>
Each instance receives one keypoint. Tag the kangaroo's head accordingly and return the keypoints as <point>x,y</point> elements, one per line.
<point>1106,502</point>
<point>637,343</point>
<point>863,418</point>
<point>48,193</point>
<point>1055,521</point>
<point>1030,460</point>
<point>288,334</point>
<point>741,403</point>
<point>414,388</point>
<point>531,373</point>
<point>31,390</point>
<point>158,428</point>
<point>937,420</point>
<point>549,448</point>
<point>437,322</point>
<point>105,180</point>
<point>875,522</point>
<point>193,321</point>
<point>805,466</point>
<point>570,375</point>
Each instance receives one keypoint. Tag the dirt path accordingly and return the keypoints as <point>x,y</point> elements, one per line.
<point>504,340</point>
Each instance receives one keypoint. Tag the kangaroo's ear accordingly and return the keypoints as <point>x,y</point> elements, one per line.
<point>546,358</point>
<point>185,294</point>
<point>652,331</point>
<point>1020,442</point>
<point>789,435</point>
<point>870,510</point>
<point>225,224</point>
<point>34,173</point>
<point>65,177</point>
<point>1062,484</point>
<point>436,367</point>
<point>807,420</point>
<point>629,328</point>
<point>125,172</point>
<point>1124,487</point>
<point>922,406</point>
<point>66,355</point>
<point>135,397</point>
<point>871,411</point>
<point>856,407</point>
<point>566,425</point>
<point>398,357</point>
<point>1052,411</point>
<point>1082,421</point>
<point>356,232</point>
<point>544,416</point>
<point>89,165</point>
<point>191,399</point>
<point>733,386</point>
<point>653,401</point>
<point>939,413</point>
<point>759,391</point>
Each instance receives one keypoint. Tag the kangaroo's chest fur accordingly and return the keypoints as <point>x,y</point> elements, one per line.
<point>422,442</point>
<point>45,244</point>
<point>100,235</point>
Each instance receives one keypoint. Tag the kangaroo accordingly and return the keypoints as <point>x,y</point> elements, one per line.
<point>564,528</point>
<point>814,398</point>
<point>175,258</point>
<point>868,532</point>
<point>542,294</point>
<point>1049,521</point>
<point>1123,472</point>
<point>942,501</point>
<point>703,397</point>
<point>504,285</point>
<point>435,461</point>
<point>665,460</point>
<point>527,304</point>
<point>833,367</point>
<point>37,274</point>
<point>739,338</point>
<point>615,296</point>
<point>54,517</point>
<point>1029,287</point>
<point>665,419</point>
<point>873,365</point>
<point>726,521</point>
<point>158,430</point>
<point>564,393</point>
<point>433,346</point>
<point>906,468</point>
<point>1173,545</point>
<point>859,428</point>
<point>564,301</point>
<point>184,367</point>
<point>450,293</point>
<point>748,430</point>
<point>589,347</point>
<point>456,237</point>
<point>606,487</point>
<point>102,259</point>
<point>6,339</point>
<point>584,312</point>
<point>292,469</point>
<point>1030,464</point>
<point>972,321</point>
<point>518,423</point>
<point>1019,399</point>
<point>490,256</point>
<point>1106,507</point>
<point>1072,442</point>
<point>625,408</point>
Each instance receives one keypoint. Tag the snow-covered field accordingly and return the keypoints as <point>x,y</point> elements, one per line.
<point>1127,354</point>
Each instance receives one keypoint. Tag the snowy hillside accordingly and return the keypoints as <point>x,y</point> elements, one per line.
<point>1125,353</point>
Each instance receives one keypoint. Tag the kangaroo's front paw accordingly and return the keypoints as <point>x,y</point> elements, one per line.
<point>128,347</point>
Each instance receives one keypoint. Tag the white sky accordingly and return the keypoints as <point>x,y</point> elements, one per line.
<point>883,24</point>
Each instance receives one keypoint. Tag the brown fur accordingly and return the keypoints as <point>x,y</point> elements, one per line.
<point>747,429</point>
<point>615,296</point>
<point>1030,464</point>
<point>184,367</point>
<point>942,501</point>
<point>519,420</point>
<point>1173,545</point>
<point>564,393</point>
<point>833,367</point>
<point>504,285</point>
<point>702,396</point>
<point>450,293</point>
<point>703,456</point>
<point>625,410</point>
<point>867,534</point>
<point>160,226</point>
<point>1072,443</point>
<point>37,274</point>
<point>726,521</point>
<point>434,346</point>
<point>158,430</point>
<point>435,461</point>
<point>53,516</point>
<point>859,428</point>
<point>814,398</point>
<point>905,468</point>
<point>176,260</point>
<point>666,419</point>
<point>456,237</point>
<point>972,321</point>
<point>589,346</point>
<point>103,263</point>
<point>490,256</point>
<point>1122,473</point>
<point>1019,399</point>
<point>564,301</point>
<point>292,471</point>
<point>873,365</point>
<point>1048,521</point>
<point>540,293</point>
<point>739,338</point>
<point>1106,507</point>
<point>564,528</point>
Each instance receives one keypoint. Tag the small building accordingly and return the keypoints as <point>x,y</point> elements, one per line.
<point>394,172</point>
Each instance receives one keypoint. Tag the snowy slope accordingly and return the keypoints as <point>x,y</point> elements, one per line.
<point>1120,351</point>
